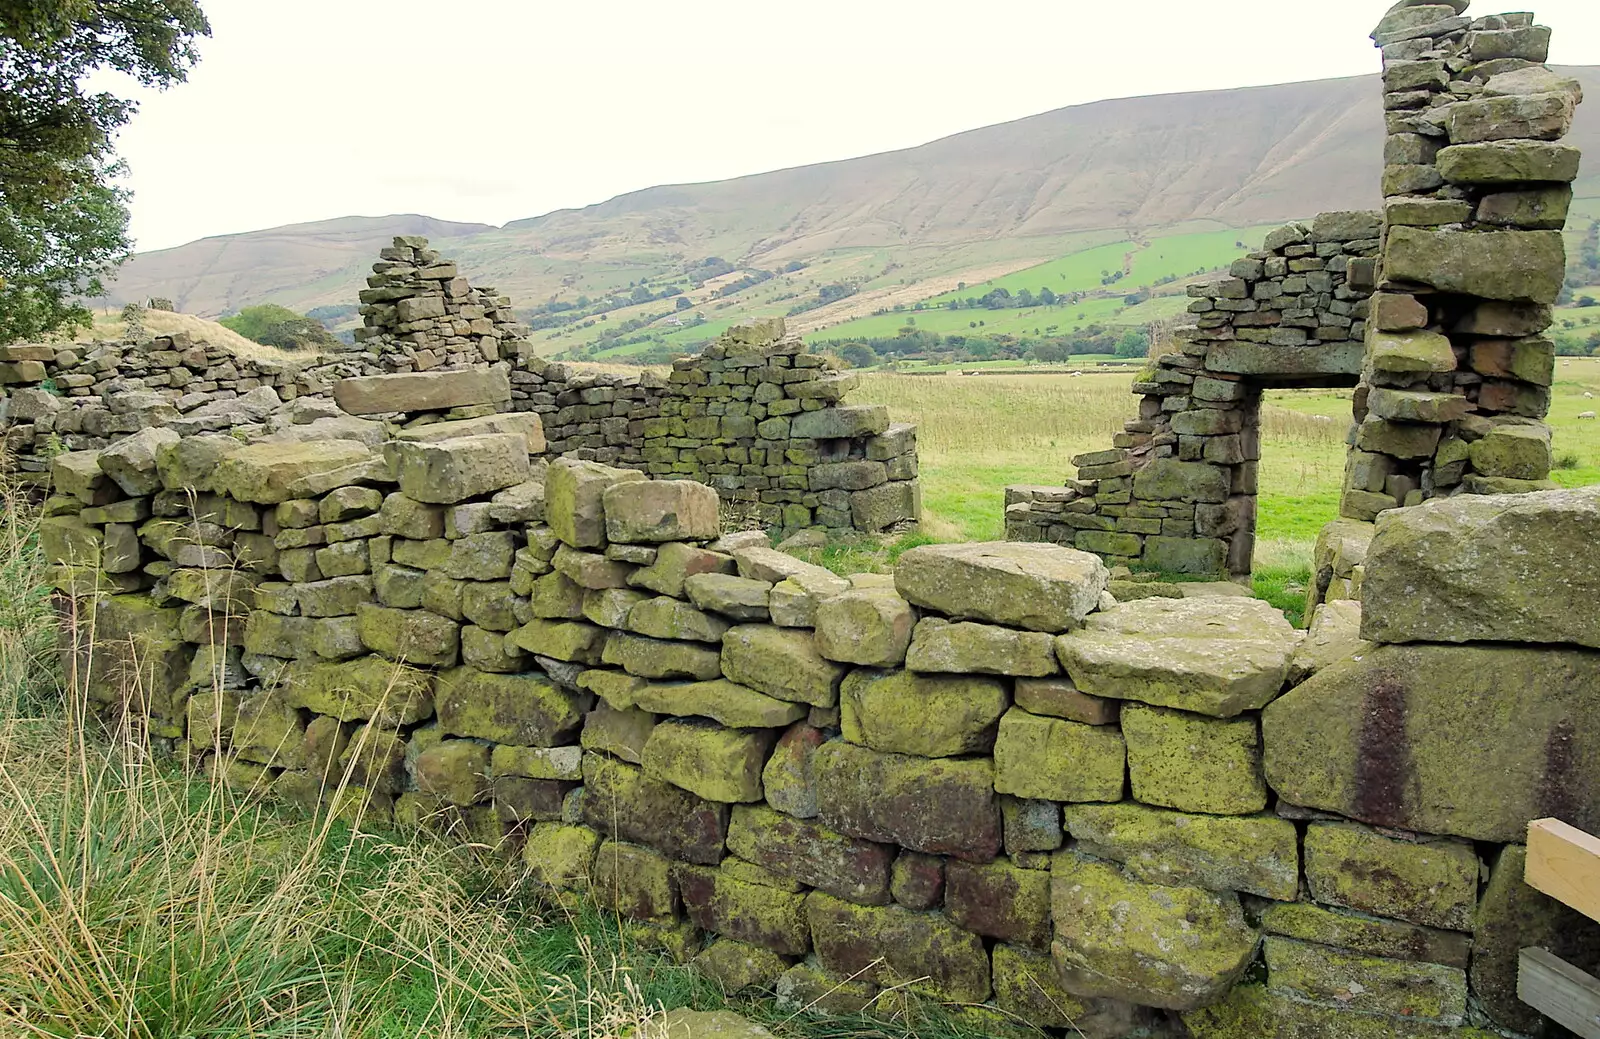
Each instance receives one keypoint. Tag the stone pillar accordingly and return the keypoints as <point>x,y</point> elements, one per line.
<point>1456,380</point>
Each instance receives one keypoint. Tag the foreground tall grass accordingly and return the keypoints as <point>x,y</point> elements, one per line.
<point>138,900</point>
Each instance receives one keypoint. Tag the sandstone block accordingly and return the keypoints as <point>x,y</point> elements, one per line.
<point>738,598</point>
<point>932,716</point>
<point>620,733</point>
<point>272,473</point>
<point>560,856</point>
<point>650,511</point>
<point>621,801</point>
<point>1038,587</point>
<point>666,618</point>
<point>1026,984</point>
<point>890,945</point>
<point>869,625</point>
<point>1428,882</point>
<point>943,806</point>
<point>856,420</point>
<point>525,710</point>
<point>449,471</point>
<point>1258,853</point>
<point>781,662</point>
<point>848,867</point>
<point>708,760</point>
<point>1509,162</point>
<point>422,391</point>
<point>1521,266</point>
<point>455,770</point>
<point>1485,568</point>
<point>1194,763</point>
<point>635,881</point>
<point>675,563</point>
<point>367,689</point>
<point>563,640</point>
<point>789,780</point>
<point>656,658</point>
<point>937,645</point>
<point>1051,759</point>
<point>897,501</point>
<point>999,900</point>
<point>409,636</point>
<point>1367,934</point>
<point>1336,978</point>
<point>574,499</point>
<point>1059,698</point>
<point>727,702</point>
<point>1216,656</point>
<point>131,462</point>
<point>1172,947</point>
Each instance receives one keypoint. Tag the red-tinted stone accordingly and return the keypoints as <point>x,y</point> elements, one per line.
<point>890,945</point>
<point>1000,900</point>
<point>621,801</point>
<point>811,853</point>
<point>942,806</point>
<point>764,916</point>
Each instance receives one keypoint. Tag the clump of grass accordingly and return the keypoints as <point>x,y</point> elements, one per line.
<point>1567,460</point>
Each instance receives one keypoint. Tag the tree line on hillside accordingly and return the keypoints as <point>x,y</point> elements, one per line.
<point>274,325</point>
<point>959,348</point>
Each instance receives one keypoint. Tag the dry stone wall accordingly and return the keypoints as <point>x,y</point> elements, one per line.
<point>980,777</point>
<point>1177,490</point>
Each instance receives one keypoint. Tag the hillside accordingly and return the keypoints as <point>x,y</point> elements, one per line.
<point>899,226</point>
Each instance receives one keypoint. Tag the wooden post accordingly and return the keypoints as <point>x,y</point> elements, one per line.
<point>1559,991</point>
<point>1564,863</point>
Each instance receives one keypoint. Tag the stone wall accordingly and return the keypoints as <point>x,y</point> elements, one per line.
<point>981,775</point>
<point>1177,490</point>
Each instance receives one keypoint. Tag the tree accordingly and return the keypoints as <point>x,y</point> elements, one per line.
<point>1133,344</point>
<point>1047,296</point>
<point>682,303</point>
<point>272,325</point>
<point>63,225</point>
<point>859,355</point>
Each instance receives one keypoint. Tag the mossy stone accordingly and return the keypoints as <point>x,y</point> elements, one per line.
<point>621,801</point>
<point>635,881</point>
<point>572,641</point>
<point>526,710</point>
<point>999,900</point>
<point>1257,853</point>
<point>1194,763</point>
<point>1329,977</point>
<point>1370,935</point>
<point>869,626</point>
<point>1026,985</point>
<point>727,702</point>
<point>560,856</point>
<point>809,852</point>
<point>409,636</point>
<point>661,658</point>
<point>942,806</point>
<point>368,688</point>
<point>890,945</point>
<point>937,645</point>
<point>620,733</point>
<point>1052,759</point>
<point>1431,882</point>
<point>754,913</point>
<point>781,662</point>
<point>932,716</point>
<point>713,762</point>
<point>667,618</point>
<point>1177,948</point>
<point>738,966</point>
<point>455,770</point>
<point>1044,588</point>
<point>1251,1011</point>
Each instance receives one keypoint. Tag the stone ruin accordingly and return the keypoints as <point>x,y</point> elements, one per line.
<point>980,780</point>
<point>1442,341</point>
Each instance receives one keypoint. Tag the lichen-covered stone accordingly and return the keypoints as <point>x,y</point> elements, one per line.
<point>942,806</point>
<point>1026,985</point>
<point>620,733</point>
<point>560,856</point>
<point>789,779</point>
<point>870,626</point>
<point>1038,587</point>
<point>1333,635</point>
<point>621,801</point>
<point>674,564</point>
<point>937,645</point>
<point>1485,568</point>
<point>890,945</point>
<point>1432,882</point>
<point>1216,656</point>
<point>933,716</point>
<point>590,570</point>
<point>805,989</point>
<point>1405,989</point>
<point>751,913</point>
<point>736,597</point>
<point>269,473</point>
<point>1194,763</point>
<point>365,689</point>
<point>652,511</point>
<point>781,662</point>
<point>998,900</point>
<point>131,461</point>
<point>727,702</point>
<point>851,868</point>
<point>563,640</point>
<point>1116,937</point>
<point>455,770</point>
<point>667,618</point>
<point>1059,698</point>
<point>1475,741</point>
<point>1251,1010</point>
<point>739,966</point>
<point>448,471</point>
<point>409,636</point>
<point>335,597</point>
<point>635,881</point>
<point>1052,759</point>
<point>716,763</point>
<point>574,499</point>
<point>525,710</point>
<point>1511,917</point>
<point>1371,935</point>
<point>657,658</point>
<point>1030,825</point>
<point>1519,266</point>
<point>1258,853</point>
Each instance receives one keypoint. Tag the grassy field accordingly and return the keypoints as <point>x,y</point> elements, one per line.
<point>976,435</point>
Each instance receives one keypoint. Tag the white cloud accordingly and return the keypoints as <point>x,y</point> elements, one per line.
<point>495,110</point>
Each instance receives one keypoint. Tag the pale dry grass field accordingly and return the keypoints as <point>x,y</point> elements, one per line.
<point>108,325</point>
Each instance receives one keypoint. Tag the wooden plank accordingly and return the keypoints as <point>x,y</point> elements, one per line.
<point>1559,991</point>
<point>1564,863</point>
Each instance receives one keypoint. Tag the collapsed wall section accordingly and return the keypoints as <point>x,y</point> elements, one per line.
<point>1176,492</point>
<point>980,776</point>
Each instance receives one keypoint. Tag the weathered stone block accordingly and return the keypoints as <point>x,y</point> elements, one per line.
<point>574,499</point>
<point>1026,984</point>
<point>851,868</point>
<point>1368,934</point>
<point>1395,988</point>
<point>1216,656</point>
<point>890,945</point>
<point>1194,763</point>
<point>524,710</point>
<point>1038,587</point>
<point>1172,947</point>
<point>449,471</point>
<point>781,662</point>
<point>751,913</point>
<point>999,900</point>
<point>269,473</point>
<point>1524,266</point>
<point>942,807</point>
<point>789,780</point>
<point>621,801</point>
<point>713,762</point>
<point>932,716</point>
<point>650,511</point>
<point>738,598</point>
<point>937,645</point>
<point>1474,741</point>
<point>1430,882</point>
<point>1258,853</point>
<point>368,689</point>
<point>870,625</point>
<point>635,881</point>
<point>561,856</point>
<point>422,391</point>
<point>1051,759</point>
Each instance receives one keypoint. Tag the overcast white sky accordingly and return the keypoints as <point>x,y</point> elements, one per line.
<point>494,110</point>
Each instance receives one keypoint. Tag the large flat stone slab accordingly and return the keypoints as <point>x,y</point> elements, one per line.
<point>271,473</point>
<point>422,391</point>
<point>1472,741</point>
<point>1037,587</point>
<point>1214,655</point>
<point>1479,568</point>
